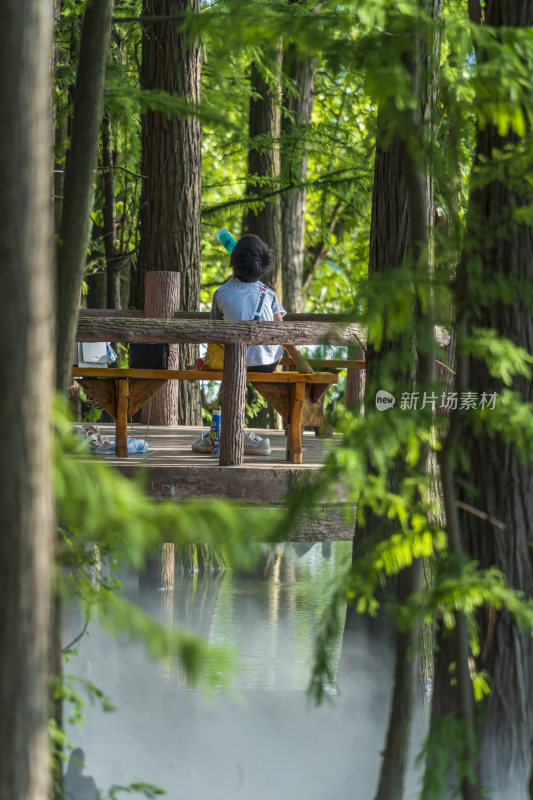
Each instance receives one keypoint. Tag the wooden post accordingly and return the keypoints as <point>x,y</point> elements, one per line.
<point>232,402</point>
<point>121,441</point>
<point>294,431</point>
<point>355,383</point>
<point>161,301</point>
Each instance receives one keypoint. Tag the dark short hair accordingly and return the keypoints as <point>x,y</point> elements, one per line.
<point>251,258</point>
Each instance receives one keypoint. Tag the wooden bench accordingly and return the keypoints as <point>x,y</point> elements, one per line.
<point>297,397</point>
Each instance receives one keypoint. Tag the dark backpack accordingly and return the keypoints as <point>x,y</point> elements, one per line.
<point>148,356</point>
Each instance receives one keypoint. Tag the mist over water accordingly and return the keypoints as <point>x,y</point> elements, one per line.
<point>265,743</point>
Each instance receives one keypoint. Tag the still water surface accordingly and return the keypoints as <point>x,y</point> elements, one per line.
<point>264,740</point>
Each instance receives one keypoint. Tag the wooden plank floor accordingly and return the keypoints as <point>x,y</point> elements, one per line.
<point>172,446</point>
<point>175,472</point>
<point>170,449</point>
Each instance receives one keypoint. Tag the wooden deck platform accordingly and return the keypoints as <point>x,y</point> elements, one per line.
<point>175,472</point>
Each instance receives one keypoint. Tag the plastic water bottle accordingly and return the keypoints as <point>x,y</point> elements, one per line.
<point>214,431</point>
<point>226,239</point>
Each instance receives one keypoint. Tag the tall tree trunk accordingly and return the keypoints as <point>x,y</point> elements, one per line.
<point>499,482</point>
<point>27,365</point>
<point>498,247</point>
<point>298,102</point>
<point>171,164</point>
<point>264,129</point>
<point>389,239</point>
<point>112,255</point>
<point>401,210</point>
<point>78,186</point>
<point>390,366</point>
<point>162,300</point>
<point>419,187</point>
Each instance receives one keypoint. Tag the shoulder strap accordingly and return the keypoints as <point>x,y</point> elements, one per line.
<point>259,303</point>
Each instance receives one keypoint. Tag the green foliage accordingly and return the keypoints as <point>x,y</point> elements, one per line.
<point>512,420</point>
<point>93,411</point>
<point>503,357</point>
<point>461,585</point>
<point>254,404</point>
<point>147,789</point>
<point>96,504</point>
<point>445,753</point>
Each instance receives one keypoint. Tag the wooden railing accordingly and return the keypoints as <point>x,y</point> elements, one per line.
<point>174,331</point>
<point>236,336</point>
<point>135,313</point>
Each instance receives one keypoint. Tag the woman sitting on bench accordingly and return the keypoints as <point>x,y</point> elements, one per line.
<point>245,297</point>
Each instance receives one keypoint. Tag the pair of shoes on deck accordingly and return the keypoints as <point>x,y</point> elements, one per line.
<point>253,443</point>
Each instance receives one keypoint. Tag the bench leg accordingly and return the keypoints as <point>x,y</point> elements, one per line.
<point>121,426</point>
<point>294,434</point>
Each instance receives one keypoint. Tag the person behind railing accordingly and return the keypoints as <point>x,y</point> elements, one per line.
<point>245,297</point>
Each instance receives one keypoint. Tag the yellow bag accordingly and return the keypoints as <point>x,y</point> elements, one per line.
<point>214,357</point>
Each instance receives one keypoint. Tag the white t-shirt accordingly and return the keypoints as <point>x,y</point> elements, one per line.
<point>236,300</point>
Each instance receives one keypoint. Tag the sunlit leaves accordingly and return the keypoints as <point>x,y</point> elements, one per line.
<point>512,421</point>
<point>504,359</point>
<point>465,587</point>
<point>481,686</point>
<point>502,78</point>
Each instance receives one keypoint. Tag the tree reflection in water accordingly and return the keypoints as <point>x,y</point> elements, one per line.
<point>265,741</point>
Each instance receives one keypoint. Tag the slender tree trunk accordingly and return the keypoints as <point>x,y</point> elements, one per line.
<point>171,164</point>
<point>59,128</point>
<point>112,255</point>
<point>396,753</point>
<point>264,162</point>
<point>79,175</point>
<point>77,195</point>
<point>299,104</point>
<point>27,364</point>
